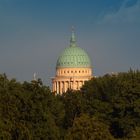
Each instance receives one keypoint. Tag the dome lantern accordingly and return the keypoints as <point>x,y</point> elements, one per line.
<point>73,39</point>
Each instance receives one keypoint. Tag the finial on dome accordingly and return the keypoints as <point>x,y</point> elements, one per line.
<point>72,28</point>
<point>73,38</point>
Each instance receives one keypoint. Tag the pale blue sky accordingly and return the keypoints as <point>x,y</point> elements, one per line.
<point>34,32</point>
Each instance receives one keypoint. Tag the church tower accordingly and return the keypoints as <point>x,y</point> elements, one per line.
<point>73,68</point>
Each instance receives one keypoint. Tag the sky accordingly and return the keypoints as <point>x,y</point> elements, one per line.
<point>33,33</point>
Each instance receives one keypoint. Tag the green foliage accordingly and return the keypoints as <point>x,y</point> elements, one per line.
<point>29,111</point>
<point>104,108</point>
<point>74,105</point>
<point>85,127</point>
<point>115,100</point>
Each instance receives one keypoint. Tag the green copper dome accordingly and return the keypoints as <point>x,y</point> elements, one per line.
<point>73,56</point>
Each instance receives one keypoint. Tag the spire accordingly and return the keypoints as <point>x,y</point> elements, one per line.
<point>73,39</point>
<point>34,77</point>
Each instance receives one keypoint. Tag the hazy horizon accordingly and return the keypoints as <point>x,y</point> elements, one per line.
<point>33,33</point>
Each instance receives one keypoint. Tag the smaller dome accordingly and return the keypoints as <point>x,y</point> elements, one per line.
<point>73,56</point>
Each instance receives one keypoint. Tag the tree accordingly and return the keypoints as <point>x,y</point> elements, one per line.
<point>74,106</point>
<point>88,128</point>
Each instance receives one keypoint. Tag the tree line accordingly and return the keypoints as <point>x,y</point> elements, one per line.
<point>106,108</point>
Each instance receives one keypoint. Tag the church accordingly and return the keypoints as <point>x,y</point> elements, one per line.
<point>73,68</point>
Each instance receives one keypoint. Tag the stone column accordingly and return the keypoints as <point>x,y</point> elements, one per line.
<point>77,86</point>
<point>60,87</point>
<point>67,85</point>
<point>82,83</point>
<point>57,88</point>
<point>64,86</point>
<point>53,87</point>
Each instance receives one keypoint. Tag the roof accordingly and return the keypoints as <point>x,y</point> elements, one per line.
<point>73,56</point>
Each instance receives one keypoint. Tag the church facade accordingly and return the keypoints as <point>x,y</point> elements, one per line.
<point>73,68</point>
